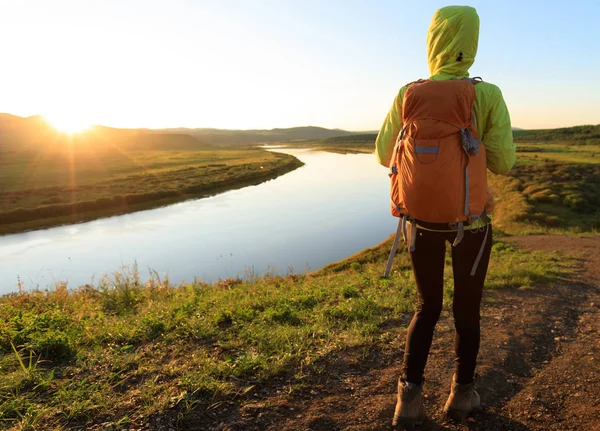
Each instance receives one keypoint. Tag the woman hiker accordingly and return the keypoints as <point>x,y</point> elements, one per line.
<point>438,138</point>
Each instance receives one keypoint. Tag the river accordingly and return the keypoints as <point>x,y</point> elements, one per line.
<point>333,206</point>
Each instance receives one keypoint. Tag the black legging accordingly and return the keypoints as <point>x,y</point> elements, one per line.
<point>428,266</point>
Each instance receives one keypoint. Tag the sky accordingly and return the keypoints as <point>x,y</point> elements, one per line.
<point>245,64</point>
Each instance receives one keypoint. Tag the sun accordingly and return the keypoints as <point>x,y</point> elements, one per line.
<point>68,123</point>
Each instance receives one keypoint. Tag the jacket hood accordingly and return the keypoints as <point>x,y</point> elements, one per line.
<point>452,40</point>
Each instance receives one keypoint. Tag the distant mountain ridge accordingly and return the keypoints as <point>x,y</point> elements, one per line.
<point>28,130</point>
<point>254,136</point>
<point>24,131</point>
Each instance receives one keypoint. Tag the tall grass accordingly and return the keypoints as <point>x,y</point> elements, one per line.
<point>548,197</point>
<point>125,350</point>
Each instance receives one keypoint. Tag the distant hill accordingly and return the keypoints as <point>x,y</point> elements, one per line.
<point>18,134</point>
<point>589,134</point>
<point>141,139</point>
<point>224,137</point>
<point>19,131</point>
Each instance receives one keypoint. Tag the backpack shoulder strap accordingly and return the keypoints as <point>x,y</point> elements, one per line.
<point>418,81</point>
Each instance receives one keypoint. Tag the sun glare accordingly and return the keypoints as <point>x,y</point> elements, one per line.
<point>68,124</point>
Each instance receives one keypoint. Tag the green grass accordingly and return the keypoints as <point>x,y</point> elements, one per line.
<point>55,184</point>
<point>127,350</point>
<point>553,188</point>
<point>564,152</point>
<point>578,135</point>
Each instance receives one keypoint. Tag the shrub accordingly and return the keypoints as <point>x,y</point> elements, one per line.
<point>350,292</point>
<point>282,316</point>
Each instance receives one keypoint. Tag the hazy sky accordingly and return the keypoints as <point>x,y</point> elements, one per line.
<point>281,63</point>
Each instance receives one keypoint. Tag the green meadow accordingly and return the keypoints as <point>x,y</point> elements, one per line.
<point>128,351</point>
<point>553,188</point>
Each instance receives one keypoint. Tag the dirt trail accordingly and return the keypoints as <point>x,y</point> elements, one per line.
<point>539,366</point>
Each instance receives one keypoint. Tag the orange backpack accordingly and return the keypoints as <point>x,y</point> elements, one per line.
<point>438,169</point>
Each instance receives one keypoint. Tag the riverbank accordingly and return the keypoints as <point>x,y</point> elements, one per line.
<point>254,229</point>
<point>352,144</point>
<point>84,186</point>
<point>130,353</point>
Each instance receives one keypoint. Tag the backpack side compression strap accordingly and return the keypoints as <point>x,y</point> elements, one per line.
<point>388,267</point>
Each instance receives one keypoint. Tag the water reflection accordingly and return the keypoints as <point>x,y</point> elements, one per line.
<point>330,208</point>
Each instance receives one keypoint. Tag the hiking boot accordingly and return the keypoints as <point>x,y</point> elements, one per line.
<point>409,408</point>
<point>463,400</point>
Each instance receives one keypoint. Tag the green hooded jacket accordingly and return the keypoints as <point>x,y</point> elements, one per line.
<point>451,48</point>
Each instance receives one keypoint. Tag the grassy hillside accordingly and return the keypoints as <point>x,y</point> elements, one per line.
<point>579,135</point>
<point>549,197</point>
<point>131,353</point>
<point>48,178</point>
<point>554,186</point>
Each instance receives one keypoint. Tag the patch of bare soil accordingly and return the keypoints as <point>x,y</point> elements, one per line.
<point>539,367</point>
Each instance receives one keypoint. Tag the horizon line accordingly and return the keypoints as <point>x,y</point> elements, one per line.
<point>255,129</point>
